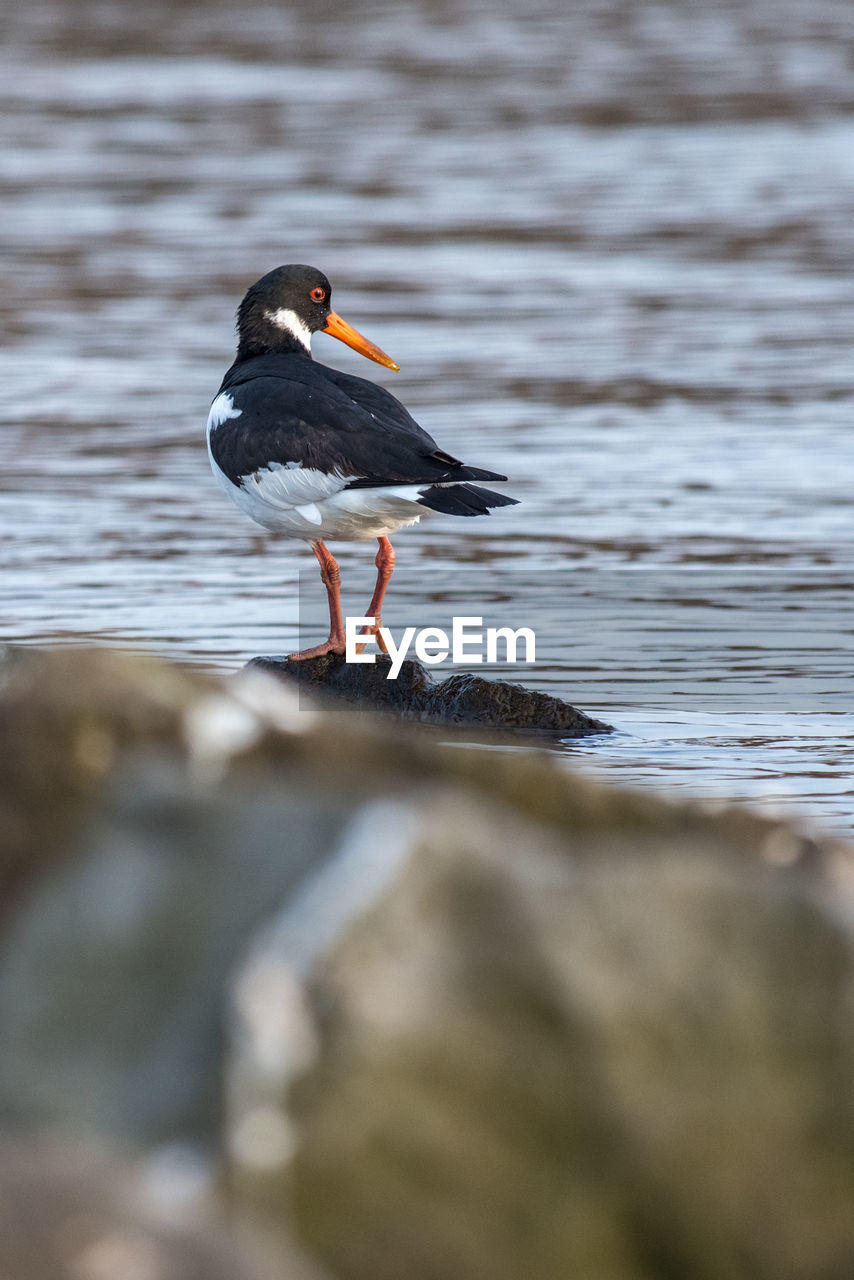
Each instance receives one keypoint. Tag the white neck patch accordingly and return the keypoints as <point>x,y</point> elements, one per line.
<point>288,320</point>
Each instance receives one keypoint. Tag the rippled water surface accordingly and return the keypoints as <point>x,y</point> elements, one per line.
<point>610,246</point>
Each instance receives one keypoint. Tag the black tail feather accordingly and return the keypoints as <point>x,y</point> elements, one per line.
<point>476,473</point>
<point>463,499</point>
<point>459,473</point>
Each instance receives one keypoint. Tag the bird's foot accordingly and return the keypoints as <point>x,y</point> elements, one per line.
<point>375,630</point>
<point>335,644</point>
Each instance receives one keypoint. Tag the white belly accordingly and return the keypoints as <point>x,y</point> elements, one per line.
<point>301,502</point>
<point>348,515</point>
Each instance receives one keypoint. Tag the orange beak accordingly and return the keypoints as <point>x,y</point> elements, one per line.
<point>345,332</point>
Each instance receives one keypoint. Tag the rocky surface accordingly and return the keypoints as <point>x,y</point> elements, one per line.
<point>71,1210</point>
<point>442,1014</point>
<point>415,695</point>
<point>595,1066</point>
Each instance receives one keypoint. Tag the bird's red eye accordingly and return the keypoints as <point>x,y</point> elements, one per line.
<point>318,295</point>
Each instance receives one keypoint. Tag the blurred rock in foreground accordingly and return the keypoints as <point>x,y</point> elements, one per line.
<point>444,1013</point>
<point>69,1211</point>
<point>414,695</point>
<point>630,1061</point>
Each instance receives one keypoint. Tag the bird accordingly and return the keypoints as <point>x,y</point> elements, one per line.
<point>319,455</point>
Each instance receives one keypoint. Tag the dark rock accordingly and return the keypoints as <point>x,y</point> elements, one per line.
<point>499,704</point>
<point>414,695</point>
<point>363,686</point>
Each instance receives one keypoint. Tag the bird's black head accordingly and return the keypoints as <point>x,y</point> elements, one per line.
<point>285,307</point>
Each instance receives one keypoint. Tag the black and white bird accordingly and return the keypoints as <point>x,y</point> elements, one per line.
<point>320,455</point>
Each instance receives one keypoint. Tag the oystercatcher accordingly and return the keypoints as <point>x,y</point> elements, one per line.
<point>320,455</point>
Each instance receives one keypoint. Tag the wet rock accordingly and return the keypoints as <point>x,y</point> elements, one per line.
<point>414,695</point>
<point>499,704</point>
<point>363,686</point>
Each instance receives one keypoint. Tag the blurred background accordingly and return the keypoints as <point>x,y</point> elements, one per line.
<point>609,244</point>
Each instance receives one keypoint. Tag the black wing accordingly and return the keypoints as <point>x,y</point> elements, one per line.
<point>292,410</point>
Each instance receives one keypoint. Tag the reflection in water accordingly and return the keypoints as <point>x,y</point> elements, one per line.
<point>610,247</point>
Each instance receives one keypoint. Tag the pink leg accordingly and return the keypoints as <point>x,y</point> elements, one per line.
<point>385,565</point>
<point>331,577</point>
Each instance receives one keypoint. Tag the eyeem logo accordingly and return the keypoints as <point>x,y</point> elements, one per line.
<point>467,644</point>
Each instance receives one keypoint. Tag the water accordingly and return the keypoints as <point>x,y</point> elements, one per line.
<point>610,246</point>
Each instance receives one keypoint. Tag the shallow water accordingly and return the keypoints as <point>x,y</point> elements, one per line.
<point>610,246</point>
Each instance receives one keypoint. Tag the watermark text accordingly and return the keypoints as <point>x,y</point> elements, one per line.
<point>468,643</point>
